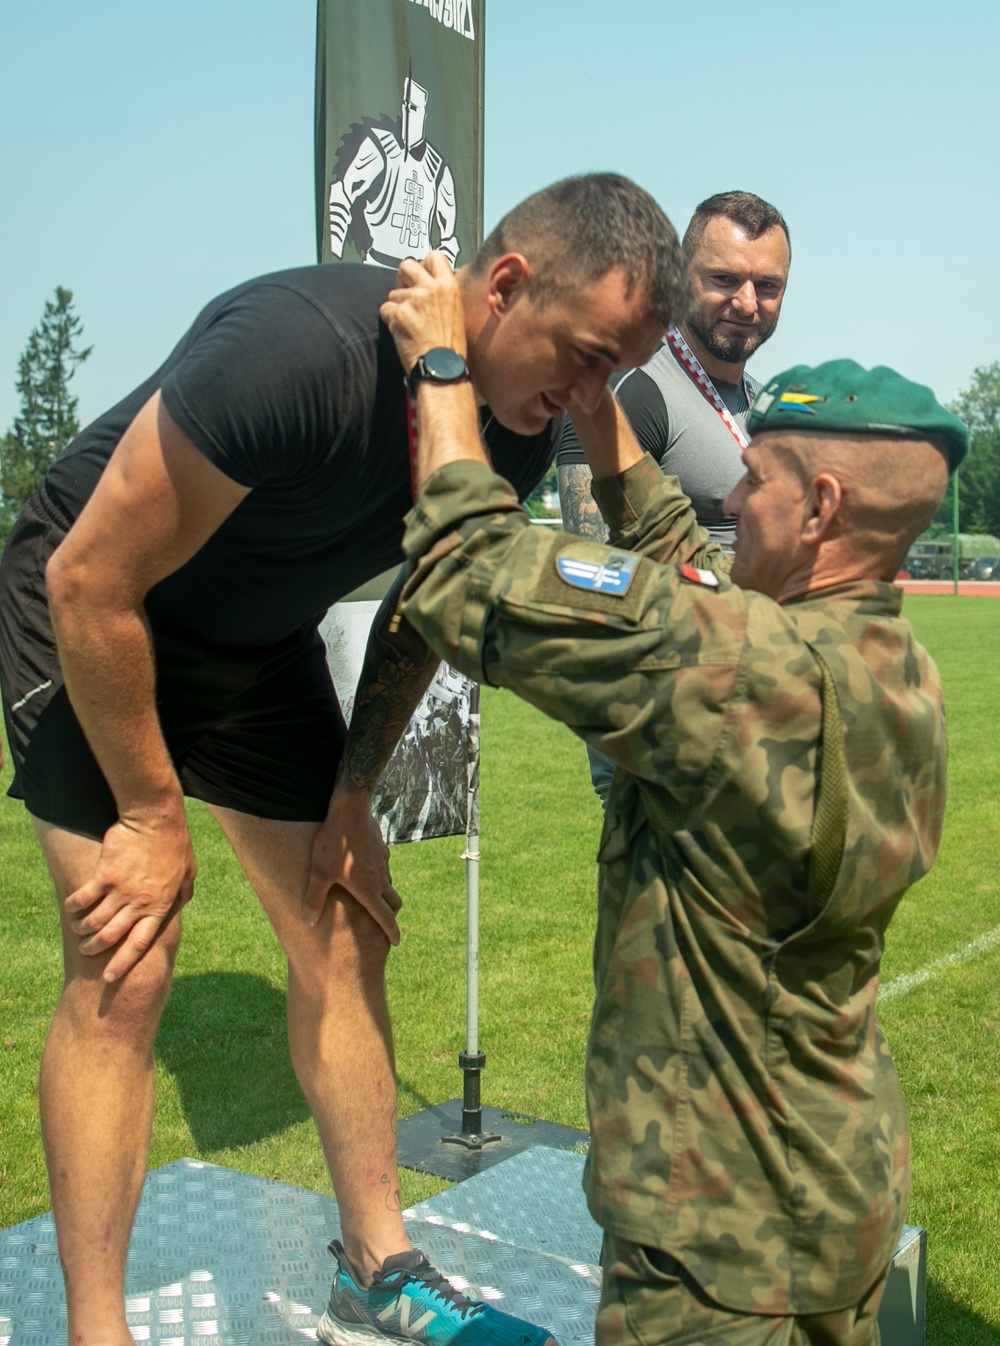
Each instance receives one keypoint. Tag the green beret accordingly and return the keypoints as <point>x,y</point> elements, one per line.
<point>843,397</point>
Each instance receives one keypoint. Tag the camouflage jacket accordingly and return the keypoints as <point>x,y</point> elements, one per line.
<point>745,1111</point>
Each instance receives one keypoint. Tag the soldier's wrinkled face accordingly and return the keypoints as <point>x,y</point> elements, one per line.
<point>543,360</point>
<point>770,504</point>
<point>738,284</point>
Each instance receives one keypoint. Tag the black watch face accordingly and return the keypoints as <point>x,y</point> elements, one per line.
<point>444,364</point>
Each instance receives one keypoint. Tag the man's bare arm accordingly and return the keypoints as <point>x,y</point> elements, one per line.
<point>348,851</point>
<point>580,514</point>
<point>158,501</point>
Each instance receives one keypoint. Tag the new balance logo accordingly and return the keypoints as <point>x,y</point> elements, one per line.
<point>401,1310</point>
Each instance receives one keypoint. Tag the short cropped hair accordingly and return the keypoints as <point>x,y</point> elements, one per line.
<point>754,216</point>
<point>576,231</point>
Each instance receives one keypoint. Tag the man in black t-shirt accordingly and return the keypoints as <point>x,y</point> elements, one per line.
<point>159,604</point>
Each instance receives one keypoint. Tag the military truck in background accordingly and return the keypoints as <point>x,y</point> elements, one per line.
<point>931,560</point>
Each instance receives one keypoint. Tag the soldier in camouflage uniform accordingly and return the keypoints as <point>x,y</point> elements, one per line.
<point>780,745</point>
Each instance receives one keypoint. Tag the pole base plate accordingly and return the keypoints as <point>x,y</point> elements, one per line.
<point>431,1141</point>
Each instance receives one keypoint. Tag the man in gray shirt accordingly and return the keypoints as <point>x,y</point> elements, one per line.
<point>690,403</point>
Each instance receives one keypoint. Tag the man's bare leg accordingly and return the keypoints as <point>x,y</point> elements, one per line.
<point>338,1031</point>
<point>96,1097</point>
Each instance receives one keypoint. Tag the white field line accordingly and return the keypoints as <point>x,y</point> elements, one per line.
<point>906,983</point>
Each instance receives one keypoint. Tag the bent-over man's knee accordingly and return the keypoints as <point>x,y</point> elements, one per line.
<point>131,1006</point>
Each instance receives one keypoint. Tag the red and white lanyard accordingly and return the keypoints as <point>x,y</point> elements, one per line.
<point>692,364</point>
<point>412,436</point>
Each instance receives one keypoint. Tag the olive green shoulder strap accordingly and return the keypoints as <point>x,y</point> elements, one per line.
<point>829,828</point>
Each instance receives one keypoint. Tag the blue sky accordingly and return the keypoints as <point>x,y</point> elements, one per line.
<point>153,155</point>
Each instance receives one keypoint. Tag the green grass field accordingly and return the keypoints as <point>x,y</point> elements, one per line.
<point>226,1090</point>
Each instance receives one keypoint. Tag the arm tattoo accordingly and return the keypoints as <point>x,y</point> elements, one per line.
<point>579,511</point>
<point>398,669</point>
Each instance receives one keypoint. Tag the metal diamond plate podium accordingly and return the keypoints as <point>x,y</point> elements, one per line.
<point>221,1258</point>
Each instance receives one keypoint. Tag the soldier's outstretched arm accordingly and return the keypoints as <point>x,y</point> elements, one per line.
<point>602,644</point>
<point>580,513</point>
<point>667,529</point>
<point>608,441</point>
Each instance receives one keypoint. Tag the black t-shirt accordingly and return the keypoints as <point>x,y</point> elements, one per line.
<point>291,385</point>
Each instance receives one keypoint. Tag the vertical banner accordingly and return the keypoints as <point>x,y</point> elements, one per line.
<point>399,171</point>
<point>399,129</point>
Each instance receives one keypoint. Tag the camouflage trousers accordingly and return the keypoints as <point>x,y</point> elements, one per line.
<point>647,1298</point>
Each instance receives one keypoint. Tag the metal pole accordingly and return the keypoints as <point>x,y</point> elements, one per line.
<point>472,1060</point>
<point>954,532</point>
<point>472,946</point>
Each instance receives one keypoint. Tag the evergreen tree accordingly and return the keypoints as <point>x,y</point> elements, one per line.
<point>47,419</point>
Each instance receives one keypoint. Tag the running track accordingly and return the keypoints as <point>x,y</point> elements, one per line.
<point>966,588</point>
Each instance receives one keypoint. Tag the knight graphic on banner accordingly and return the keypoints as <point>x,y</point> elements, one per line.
<point>390,186</point>
<point>455,14</point>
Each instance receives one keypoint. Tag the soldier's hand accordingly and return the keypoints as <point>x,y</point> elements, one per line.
<point>144,872</point>
<point>349,854</point>
<point>606,437</point>
<point>425,309</point>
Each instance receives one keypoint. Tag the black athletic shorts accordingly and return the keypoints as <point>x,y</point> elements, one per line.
<point>256,730</point>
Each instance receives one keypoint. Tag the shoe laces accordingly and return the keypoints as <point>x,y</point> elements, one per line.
<point>437,1284</point>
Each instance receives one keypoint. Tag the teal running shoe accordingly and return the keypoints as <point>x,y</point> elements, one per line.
<point>409,1301</point>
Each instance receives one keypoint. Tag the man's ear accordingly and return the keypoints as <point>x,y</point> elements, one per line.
<point>507,279</point>
<point>825,506</point>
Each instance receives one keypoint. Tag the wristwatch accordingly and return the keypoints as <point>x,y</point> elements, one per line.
<point>439,365</point>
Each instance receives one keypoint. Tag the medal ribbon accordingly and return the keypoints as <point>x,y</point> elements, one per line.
<point>411,433</point>
<point>705,386</point>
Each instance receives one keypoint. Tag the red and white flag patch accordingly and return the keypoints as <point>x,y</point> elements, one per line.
<point>698,576</point>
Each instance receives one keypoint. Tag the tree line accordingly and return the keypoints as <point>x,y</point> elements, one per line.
<point>979,477</point>
<point>47,421</point>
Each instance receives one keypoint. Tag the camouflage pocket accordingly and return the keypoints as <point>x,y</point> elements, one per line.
<point>635,1307</point>
<point>657,1266</point>
<point>653,1295</point>
<point>660,1303</point>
